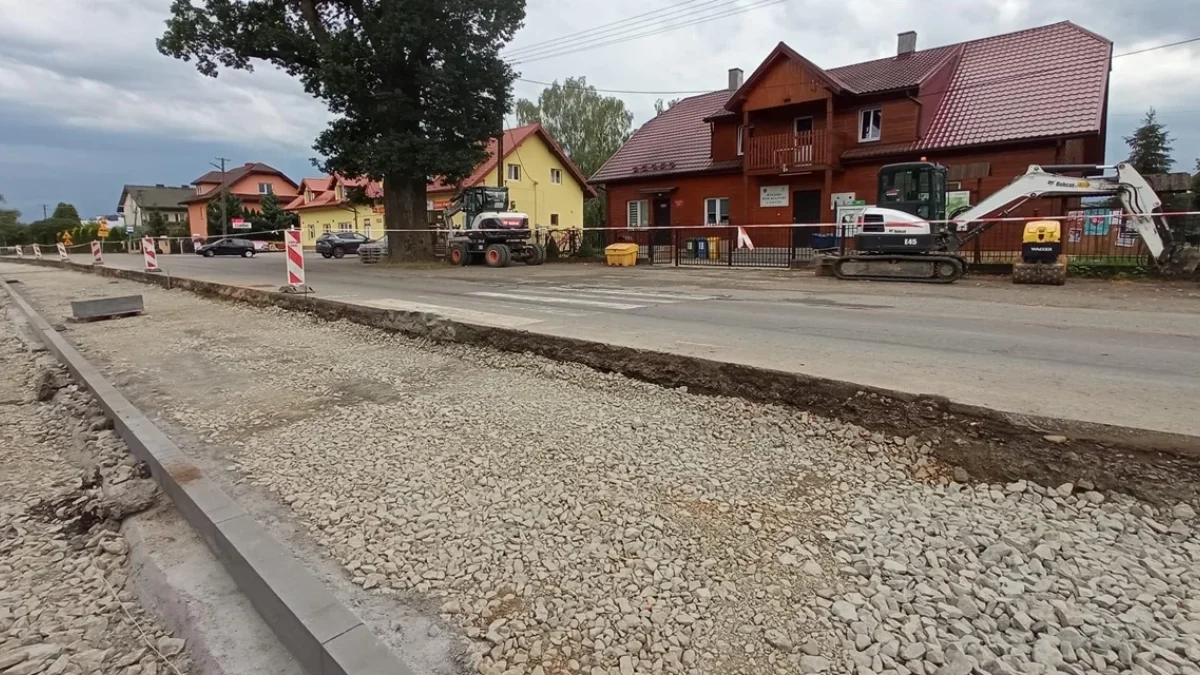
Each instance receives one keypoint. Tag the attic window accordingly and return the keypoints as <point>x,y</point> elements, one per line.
<point>264,188</point>
<point>870,124</point>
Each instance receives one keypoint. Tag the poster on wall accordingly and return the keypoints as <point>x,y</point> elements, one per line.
<point>1127,234</point>
<point>1097,222</point>
<point>842,199</point>
<point>847,216</point>
<point>1075,235</point>
<point>956,200</point>
<point>773,196</point>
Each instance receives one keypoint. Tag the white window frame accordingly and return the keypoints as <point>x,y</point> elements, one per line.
<point>712,210</point>
<point>513,172</point>
<point>312,231</point>
<point>637,214</point>
<point>265,188</point>
<point>741,132</point>
<point>345,227</point>
<point>326,228</point>
<point>867,138</point>
<point>556,176</point>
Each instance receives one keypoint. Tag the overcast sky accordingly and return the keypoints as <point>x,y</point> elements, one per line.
<point>87,103</point>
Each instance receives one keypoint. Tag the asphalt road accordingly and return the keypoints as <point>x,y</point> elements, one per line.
<point>1107,352</point>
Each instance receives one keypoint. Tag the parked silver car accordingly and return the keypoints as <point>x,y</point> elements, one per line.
<point>373,251</point>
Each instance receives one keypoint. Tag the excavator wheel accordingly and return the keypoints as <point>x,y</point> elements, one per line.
<point>1042,274</point>
<point>457,254</point>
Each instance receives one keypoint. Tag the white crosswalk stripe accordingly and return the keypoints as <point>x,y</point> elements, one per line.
<point>557,300</point>
<point>654,297</point>
<point>589,296</point>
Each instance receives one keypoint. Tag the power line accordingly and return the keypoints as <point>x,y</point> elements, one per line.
<point>627,91</point>
<point>538,46</point>
<point>572,49</point>
<point>1150,49</point>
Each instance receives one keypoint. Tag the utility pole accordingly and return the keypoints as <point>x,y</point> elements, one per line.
<point>224,210</point>
<point>44,216</point>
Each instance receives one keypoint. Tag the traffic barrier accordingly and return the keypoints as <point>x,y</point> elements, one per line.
<point>37,252</point>
<point>150,255</point>
<point>20,252</point>
<point>62,252</point>
<point>97,253</point>
<point>295,264</point>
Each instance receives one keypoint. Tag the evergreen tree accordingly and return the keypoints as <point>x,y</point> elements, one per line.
<point>1150,146</point>
<point>218,220</point>
<point>156,224</point>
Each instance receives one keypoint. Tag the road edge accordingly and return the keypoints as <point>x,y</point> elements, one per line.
<point>991,444</point>
<point>322,634</point>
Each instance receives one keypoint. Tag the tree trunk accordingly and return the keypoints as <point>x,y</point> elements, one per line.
<point>404,204</point>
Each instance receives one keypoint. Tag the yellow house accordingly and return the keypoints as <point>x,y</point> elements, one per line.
<point>323,205</point>
<point>541,180</point>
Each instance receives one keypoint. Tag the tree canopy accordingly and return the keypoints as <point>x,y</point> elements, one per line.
<point>65,211</point>
<point>417,87</point>
<point>1150,146</point>
<point>660,107</point>
<point>11,230</point>
<point>220,222</point>
<point>589,126</point>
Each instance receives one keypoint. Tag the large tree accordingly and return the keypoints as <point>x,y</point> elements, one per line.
<point>417,87</point>
<point>590,128</point>
<point>1150,146</point>
<point>11,230</point>
<point>65,211</point>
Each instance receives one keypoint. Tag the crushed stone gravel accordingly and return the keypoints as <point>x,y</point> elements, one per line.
<point>570,521</point>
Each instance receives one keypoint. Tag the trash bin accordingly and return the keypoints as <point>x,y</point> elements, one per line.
<point>714,248</point>
<point>691,248</point>
<point>701,248</point>
<point>621,255</point>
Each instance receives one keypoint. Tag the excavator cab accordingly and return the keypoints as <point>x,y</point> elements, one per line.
<point>916,188</point>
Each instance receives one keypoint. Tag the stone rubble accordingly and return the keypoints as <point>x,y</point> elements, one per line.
<point>57,615</point>
<point>569,521</point>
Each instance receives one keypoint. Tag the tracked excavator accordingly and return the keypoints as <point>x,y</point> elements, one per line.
<point>908,237</point>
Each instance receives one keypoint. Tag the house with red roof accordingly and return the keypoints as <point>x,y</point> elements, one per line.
<point>799,143</point>
<point>249,183</point>
<point>542,180</point>
<point>338,204</point>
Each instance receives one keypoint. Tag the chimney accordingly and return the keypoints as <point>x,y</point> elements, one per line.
<point>735,79</point>
<point>906,43</point>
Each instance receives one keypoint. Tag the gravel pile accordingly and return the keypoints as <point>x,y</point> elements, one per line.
<point>60,560</point>
<point>1019,578</point>
<point>567,521</point>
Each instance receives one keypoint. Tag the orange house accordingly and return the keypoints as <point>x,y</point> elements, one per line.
<point>249,183</point>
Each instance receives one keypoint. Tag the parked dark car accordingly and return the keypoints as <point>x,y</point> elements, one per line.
<point>231,246</point>
<point>338,244</point>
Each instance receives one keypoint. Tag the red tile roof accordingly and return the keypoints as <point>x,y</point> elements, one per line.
<point>324,191</point>
<point>1042,82</point>
<point>512,140</point>
<point>232,175</point>
<point>676,141</point>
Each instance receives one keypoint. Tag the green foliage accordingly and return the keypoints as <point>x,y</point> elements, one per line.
<point>660,107</point>
<point>1150,146</point>
<point>272,216</point>
<point>156,224</point>
<point>47,231</point>
<point>595,211</point>
<point>218,220</point>
<point>416,87</point>
<point>11,230</point>
<point>65,211</point>
<point>589,127</point>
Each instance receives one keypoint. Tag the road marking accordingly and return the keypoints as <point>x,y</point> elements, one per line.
<point>696,344</point>
<point>456,313</point>
<point>660,297</point>
<point>518,307</point>
<point>555,300</point>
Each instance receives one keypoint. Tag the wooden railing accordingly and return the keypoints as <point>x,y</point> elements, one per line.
<point>783,153</point>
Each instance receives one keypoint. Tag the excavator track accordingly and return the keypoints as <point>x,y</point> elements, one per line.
<point>932,268</point>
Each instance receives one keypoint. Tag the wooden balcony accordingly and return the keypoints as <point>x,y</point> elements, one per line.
<point>792,153</point>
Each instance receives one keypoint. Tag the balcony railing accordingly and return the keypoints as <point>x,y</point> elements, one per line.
<point>785,153</point>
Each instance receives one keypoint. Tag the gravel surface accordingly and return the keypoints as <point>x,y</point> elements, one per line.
<point>567,521</point>
<point>64,608</point>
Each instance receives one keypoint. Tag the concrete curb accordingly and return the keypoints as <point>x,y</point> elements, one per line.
<point>323,635</point>
<point>993,445</point>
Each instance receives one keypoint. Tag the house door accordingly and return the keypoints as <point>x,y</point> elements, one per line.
<point>806,209</point>
<point>802,127</point>
<point>662,219</point>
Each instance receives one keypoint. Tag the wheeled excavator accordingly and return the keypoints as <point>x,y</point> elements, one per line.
<point>491,233</point>
<point>907,236</point>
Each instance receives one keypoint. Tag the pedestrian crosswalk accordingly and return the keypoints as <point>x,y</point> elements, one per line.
<point>525,305</point>
<point>589,297</point>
